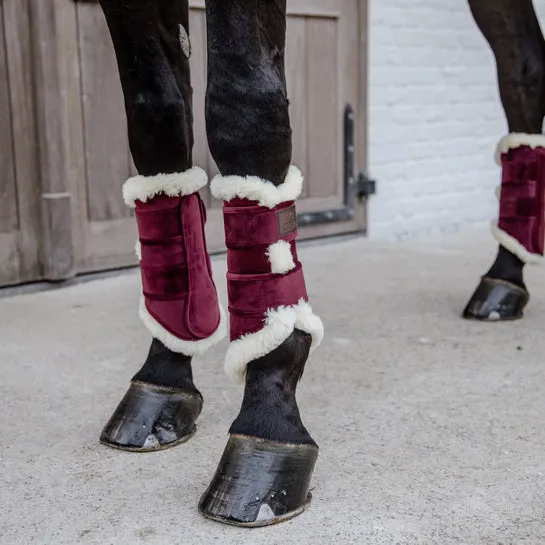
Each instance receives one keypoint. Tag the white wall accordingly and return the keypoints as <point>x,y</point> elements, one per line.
<point>435,118</point>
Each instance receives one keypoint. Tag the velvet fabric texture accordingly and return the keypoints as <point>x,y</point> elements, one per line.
<point>177,282</point>
<point>252,287</point>
<point>522,198</point>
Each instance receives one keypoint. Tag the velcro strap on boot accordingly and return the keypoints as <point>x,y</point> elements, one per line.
<point>251,229</point>
<point>163,263</point>
<point>252,295</point>
<point>522,197</point>
<point>252,225</point>
<point>255,286</point>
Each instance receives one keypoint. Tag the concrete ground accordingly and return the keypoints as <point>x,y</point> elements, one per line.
<point>431,428</point>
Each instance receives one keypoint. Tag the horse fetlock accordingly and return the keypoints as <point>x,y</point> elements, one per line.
<point>163,367</point>
<point>269,408</point>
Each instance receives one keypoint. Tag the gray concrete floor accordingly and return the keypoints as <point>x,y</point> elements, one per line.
<point>431,428</point>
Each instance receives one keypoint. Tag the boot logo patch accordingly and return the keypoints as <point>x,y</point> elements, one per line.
<point>287,221</point>
<point>185,44</point>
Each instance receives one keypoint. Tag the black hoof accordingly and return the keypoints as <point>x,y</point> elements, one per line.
<point>259,483</point>
<point>496,300</point>
<point>151,418</point>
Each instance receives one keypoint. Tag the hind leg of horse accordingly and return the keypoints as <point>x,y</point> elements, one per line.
<point>265,472</point>
<point>179,304</point>
<point>513,32</point>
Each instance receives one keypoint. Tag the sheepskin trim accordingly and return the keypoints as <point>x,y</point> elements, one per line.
<point>280,257</point>
<point>514,246</point>
<point>516,140</point>
<point>138,250</point>
<point>178,184</point>
<point>189,348</point>
<point>279,325</point>
<point>254,188</point>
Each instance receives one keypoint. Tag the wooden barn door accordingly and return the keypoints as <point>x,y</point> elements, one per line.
<point>63,136</point>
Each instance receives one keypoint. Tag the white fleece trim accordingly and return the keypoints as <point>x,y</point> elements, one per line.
<point>514,246</point>
<point>280,257</point>
<point>516,140</point>
<point>178,184</point>
<point>138,250</point>
<point>189,348</point>
<point>279,325</point>
<point>257,189</point>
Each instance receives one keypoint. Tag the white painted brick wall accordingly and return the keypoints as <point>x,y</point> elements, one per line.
<point>434,118</point>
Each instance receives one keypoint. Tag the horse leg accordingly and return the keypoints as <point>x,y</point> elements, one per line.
<point>179,303</point>
<point>266,468</point>
<point>513,32</point>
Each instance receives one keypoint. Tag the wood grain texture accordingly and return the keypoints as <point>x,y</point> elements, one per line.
<point>58,255</point>
<point>51,37</point>
<point>75,145</point>
<point>296,79</point>
<point>105,124</point>
<point>9,220</point>
<point>24,133</point>
<point>19,249</point>
<point>325,144</point>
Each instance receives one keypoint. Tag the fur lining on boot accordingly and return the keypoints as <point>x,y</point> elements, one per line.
<point>257,189</point>
<point>514,246</point>
<point>516,140</point>
<point>279,325</point>
<point>178,184</point>
<point>180,346</point>
<point>280,257</point>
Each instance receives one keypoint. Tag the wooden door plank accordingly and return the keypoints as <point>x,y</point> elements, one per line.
<point>50,63</point>
<point>8,201</point>
<point>296,79</point>
<point>324,144</point>
<point>105,125</point>
<point>20,76</point>
<point>75,145</point>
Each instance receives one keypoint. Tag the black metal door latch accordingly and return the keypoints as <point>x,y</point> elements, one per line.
<point>354,187</point>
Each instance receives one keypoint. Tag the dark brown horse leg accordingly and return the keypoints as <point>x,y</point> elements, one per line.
<point>179,303</point>
<point>512,30</point>
<point>266,468</point>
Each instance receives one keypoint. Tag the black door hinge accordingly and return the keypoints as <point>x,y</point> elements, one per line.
<point>365,186</point>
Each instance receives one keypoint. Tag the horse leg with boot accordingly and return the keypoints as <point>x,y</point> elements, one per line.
<point>513,32</point>
<point>265,472</point>
<point>179,304</point>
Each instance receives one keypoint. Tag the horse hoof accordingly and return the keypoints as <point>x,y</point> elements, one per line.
<point>496,300</point>
<point>151,418</point>
<point>259,483</point>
